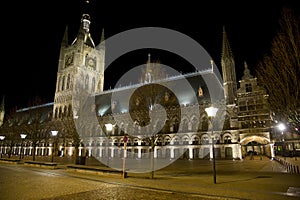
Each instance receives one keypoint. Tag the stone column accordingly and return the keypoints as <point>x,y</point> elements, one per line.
<point>191,153</point>
<point>272,151</point>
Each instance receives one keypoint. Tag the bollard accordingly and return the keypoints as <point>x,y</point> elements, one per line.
<point>297,169</point>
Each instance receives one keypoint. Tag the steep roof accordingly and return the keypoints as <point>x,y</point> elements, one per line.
<point>189,89</point>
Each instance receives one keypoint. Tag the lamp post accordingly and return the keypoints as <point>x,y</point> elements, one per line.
<point>54,134</point>
<point>23,136</point>
<point>124,158</point>
<point>109,128</point>
<point>282,127</point>
<point>2,137</point>
<point>211,112</point>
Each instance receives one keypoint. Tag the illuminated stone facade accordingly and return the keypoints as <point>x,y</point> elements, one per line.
<point>186,134</point>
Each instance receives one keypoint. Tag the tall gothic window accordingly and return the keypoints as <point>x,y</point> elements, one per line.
<point>204,124</point>
<point>63,83</point>
<point>93,84</point>
<point>68,82</point>
<point>87,82</point>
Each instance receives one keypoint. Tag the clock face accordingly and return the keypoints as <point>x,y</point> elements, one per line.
<point>91,62</point>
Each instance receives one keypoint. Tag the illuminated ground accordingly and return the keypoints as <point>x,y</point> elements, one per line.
<point>246,179</point>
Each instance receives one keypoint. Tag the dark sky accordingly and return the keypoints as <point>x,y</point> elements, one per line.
<point>32,32</point>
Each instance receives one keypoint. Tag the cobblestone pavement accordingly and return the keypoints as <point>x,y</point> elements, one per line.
<point>246,179</point>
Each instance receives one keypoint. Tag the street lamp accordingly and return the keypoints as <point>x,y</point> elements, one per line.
<point>2,137</point>
<point>211,112</point>
<point>282,127</point>
<point>124,158</point>
<point>54,134</point>
<point>109,128</point>
<point>23,136</point>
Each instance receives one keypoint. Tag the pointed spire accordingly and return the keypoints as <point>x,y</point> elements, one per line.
<point>102,36</point>
<point>149,58</point>
<point>2,104</point>
<point>228,70</point>
<point>247,74</point>
<point>65,41</point>
<point>148,64</point>
<point>101,44</point>
<point>226,50</point>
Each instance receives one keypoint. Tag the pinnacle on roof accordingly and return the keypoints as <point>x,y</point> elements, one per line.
<point>226,50</point>
<point>102,41</point>
<point>247,74</point>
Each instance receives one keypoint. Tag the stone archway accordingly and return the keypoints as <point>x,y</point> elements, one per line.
<point>255,145</point>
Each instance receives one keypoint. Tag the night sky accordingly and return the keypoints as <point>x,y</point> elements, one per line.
<point>32,33</point>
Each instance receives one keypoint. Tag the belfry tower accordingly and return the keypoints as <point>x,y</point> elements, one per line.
<point>81,64</point>
<point>228,70</point>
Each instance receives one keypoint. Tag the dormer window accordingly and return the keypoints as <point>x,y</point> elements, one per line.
<point>248,87</point>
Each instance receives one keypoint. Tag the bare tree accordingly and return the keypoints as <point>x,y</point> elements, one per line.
<point>279,71</point>
<point>10,130</point>
<point>147,102</point>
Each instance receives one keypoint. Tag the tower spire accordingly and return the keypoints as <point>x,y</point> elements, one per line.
<point>149,58</point>
<point>65,41</point>
<point>101,44</point>
<point>226,50</point>
<point>2,105</point>
<point>228,70</point>
<point>102,36</point>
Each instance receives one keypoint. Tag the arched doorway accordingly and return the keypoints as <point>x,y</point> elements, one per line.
<point>255,146</point>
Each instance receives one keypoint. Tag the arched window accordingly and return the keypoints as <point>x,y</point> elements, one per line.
<point>167,141</point>
<point>70,111</point>
<point>158,142</point>
<point>185,125</point>
<point>185,141</point>
<point>60,112</point>
<point>56,113</point>
<point>58,85</point>
<point>226,125</point>
<point>68,81</point>
<point>65,111</point>
<point>204,140</point>
<point>195,140</point>
<point>93,84</point>
<point>87,82</point>
<point>227,139</point>
<point>204,123</point>
<point>217,139</point>
<point>176,141</point>
<point>175,125</point>
<point>63,83</point>
<point>195,124</point>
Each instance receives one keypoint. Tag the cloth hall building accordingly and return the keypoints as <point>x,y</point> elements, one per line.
<point>186,134</point>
